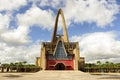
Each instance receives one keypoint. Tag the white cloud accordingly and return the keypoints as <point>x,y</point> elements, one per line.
<point>16,36</point>
<point>4,22</point>
<point>19,53</point>
<point>12,36</point>
<point>36,16</point>
<point>11,4</point>
<point>101,12</point>
<point>76,11</point>
<point>53,3</point>
<point>101,46</point>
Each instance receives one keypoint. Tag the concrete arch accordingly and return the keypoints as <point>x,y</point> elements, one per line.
<point>65,34</point>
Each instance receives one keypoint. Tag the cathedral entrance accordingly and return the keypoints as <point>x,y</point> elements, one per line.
<point>60,66</point>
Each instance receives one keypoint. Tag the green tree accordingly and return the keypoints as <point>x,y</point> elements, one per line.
<point>98,63</point>
<point>24,62</point>
<point>12,64</point>
<point>0,63</point>
<point>5,65</point>
<point>107,63</point>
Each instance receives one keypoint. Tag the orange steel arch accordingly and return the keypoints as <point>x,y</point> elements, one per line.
<point>65,34</point>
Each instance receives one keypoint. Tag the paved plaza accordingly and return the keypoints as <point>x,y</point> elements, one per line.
<point>59,75</point>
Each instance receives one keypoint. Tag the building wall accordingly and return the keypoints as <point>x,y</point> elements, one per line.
<point>81,63</point>
<point>43,58</point>
<point>77,62</point>
<point>38,61</point>
<point>77,55</point>
<point>69,64</point>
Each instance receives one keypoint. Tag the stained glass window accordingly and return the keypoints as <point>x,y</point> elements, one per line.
<point>60,53</point>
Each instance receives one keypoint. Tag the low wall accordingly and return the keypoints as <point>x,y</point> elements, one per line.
<point>20,69</point>
<point>106,70</point>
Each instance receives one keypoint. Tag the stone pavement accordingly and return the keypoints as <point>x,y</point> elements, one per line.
<point>59,75</point>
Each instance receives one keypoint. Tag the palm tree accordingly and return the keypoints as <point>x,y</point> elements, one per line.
<point>107,63</point>
<point>98,62</point>
<point>3,66</point>
<point>24,65</point>
<point>20,64</point>
<point>17,65</point>
<point>12,65</point>
<point>24,62</point>
<point>0,64</point>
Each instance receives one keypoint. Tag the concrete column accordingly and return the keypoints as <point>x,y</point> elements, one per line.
<point>43,58</point>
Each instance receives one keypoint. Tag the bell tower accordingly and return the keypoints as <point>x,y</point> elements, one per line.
<point>60,53</point>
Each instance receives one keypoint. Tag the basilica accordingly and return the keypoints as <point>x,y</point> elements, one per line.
<point>60,53</point>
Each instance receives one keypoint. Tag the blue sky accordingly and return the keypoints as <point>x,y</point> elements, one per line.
<point>24,24</point>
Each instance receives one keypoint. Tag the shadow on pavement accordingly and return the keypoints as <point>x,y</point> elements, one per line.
<point>108,76</point>
<point>12,76</point>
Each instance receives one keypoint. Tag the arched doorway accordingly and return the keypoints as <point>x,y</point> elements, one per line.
<point>60,66</point>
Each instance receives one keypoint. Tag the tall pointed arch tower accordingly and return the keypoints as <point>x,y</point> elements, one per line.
<point>60,54</point>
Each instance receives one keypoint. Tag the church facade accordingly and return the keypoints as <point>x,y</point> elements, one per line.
<point>60,53</point>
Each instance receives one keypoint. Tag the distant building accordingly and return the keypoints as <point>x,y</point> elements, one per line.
<point>60,54</point>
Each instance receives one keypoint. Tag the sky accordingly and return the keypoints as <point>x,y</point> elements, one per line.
<point>24,24</point>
